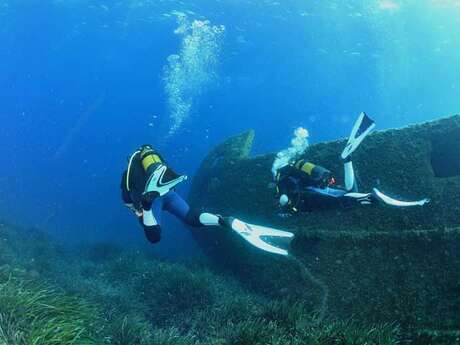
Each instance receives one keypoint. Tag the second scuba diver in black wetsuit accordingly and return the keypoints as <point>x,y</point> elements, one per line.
<point>147,189</point>
<point>303,186</point>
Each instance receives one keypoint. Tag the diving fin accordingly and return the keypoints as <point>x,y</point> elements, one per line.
<point>398,203</point>
<point>362,127</point>
<point>259,236</point>
<point>162,180</point>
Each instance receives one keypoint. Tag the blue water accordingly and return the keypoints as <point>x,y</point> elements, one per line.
<point>82,84</point>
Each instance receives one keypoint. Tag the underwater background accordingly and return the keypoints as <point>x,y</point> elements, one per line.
<point>84,83</point>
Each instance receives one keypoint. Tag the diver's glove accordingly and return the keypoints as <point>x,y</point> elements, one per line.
<point>133,209</point>
<point>284,203</point>
<point>286,206</point>
<point>283,200</point>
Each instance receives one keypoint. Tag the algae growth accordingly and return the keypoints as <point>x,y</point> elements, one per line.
<point>108,295</point>
<point>377,264</point>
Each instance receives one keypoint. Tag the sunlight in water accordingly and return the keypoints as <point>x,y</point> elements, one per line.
<point>446,3</point>
<point>188,73</point>
<point>388,5</point>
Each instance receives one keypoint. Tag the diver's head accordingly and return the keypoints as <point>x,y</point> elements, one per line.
<point>284,200</point>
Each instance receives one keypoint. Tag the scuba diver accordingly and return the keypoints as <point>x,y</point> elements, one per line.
<point>303,186</point>
<point>147,189</point>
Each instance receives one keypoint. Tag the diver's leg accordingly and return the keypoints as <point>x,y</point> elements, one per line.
<point>321,198</point>
<point>174,204</point>
<point>177,206</point>
<point>350,178</point>
<point>251,233</point>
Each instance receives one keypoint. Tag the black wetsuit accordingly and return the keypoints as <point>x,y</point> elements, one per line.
<point>132,193</point>
<point>308,187</point>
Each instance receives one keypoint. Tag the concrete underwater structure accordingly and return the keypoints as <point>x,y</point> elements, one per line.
<point>374,263</point>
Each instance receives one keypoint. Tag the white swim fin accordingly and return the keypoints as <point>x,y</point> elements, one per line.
<point>363,126</point>
<point>261,236</point>
<point>163,180</point>
<point>398,203</point>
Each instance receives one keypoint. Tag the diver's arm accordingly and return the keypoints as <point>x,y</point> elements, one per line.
<point>124,190</point>
<point>177,206</point>
<point>126,196</point>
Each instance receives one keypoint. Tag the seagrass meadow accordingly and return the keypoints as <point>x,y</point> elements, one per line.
<point>108,295</point>
<point>374,264</point>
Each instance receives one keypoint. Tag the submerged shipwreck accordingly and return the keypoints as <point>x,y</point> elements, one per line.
<point>370,262</point>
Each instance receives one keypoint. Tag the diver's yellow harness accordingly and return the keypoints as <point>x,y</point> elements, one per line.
<point>148,158</point>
